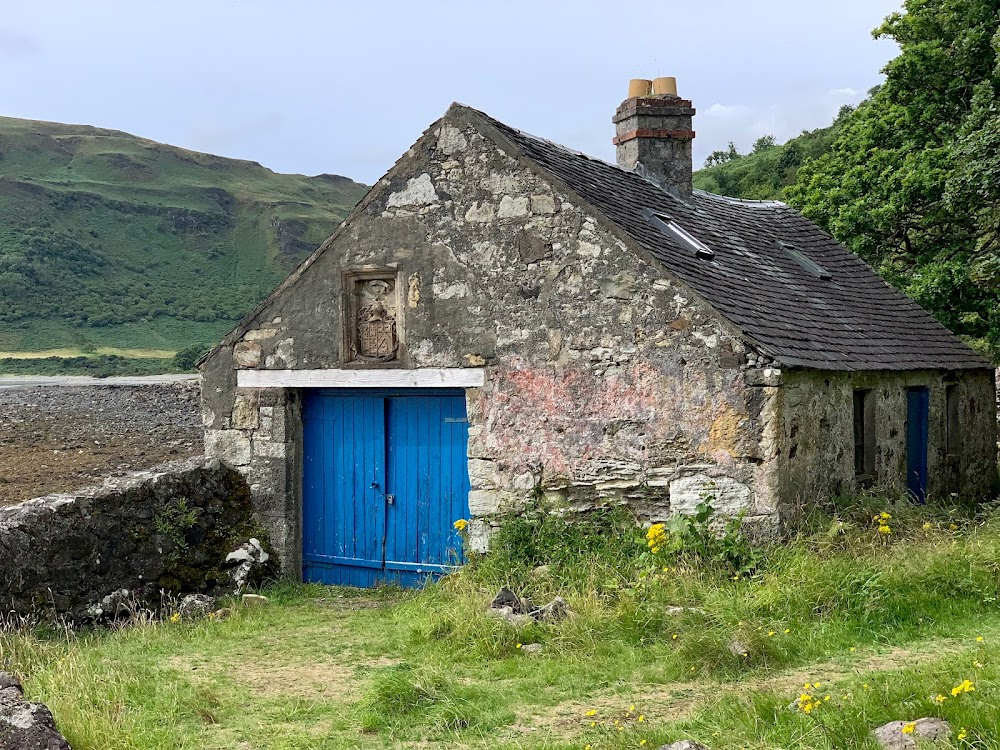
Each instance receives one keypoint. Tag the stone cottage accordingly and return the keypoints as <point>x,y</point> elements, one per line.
<point>502,320</point>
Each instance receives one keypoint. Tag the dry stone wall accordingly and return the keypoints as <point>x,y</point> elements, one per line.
<point>164,530</point>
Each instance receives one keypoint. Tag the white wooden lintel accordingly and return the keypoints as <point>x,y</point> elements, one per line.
<point>425,377</point>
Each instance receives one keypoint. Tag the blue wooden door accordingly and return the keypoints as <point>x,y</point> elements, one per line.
<point>917,407</point>
<point>385,476</point>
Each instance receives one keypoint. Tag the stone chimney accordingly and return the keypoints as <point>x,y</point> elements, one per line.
<point>653,134</point>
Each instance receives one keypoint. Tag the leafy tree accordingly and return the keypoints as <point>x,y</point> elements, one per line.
<point>910,182</point>
<point>763,143</point>
<point>723,157</point>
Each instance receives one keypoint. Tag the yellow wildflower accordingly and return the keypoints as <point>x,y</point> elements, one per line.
<point>656,537</point>
<point>908,727</point>
<point>952,527</point>
<point>518,646</point>
<point>963,733</point>
<point>787,631</point>
<point>771,633</point>
<point>460,524</point>
<point>673,637</point>
<point>979,639</point>
<point>939,699</point>
<point>642,742</point>
<point>884,529</point>
<point>965,686</point>
<point>928,526</point>
<point>591,712</point>
<point>642,717</point>
<point>175,617</point>
<point>631,708</point>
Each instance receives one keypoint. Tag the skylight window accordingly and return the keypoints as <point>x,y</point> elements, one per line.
<point>669,227</point>
<point>811,266</point>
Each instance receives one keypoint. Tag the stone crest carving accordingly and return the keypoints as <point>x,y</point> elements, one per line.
<point>376,337</point>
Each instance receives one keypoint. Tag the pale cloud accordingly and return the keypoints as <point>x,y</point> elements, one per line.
<point>14,44</point>
<point>845,92</point>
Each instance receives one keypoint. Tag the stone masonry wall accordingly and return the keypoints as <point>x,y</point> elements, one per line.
<point>169,528</point>
<point>605,381</point>
<point>818,438</point>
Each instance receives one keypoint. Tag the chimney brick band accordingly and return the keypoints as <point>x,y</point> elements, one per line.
<point>652,133</point>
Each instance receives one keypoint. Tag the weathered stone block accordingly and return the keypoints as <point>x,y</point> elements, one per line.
<point>247,353</point>
<point>246,415</point>
<point>483,502</point>
<point>543,204</point>
<point>232,446</point>
<point>512,207</point>
<point>727,496</point>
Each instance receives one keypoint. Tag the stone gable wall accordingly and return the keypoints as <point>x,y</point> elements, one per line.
<point>605,381</point>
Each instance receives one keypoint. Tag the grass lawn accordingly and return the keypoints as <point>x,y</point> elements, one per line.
<point>881,626</point>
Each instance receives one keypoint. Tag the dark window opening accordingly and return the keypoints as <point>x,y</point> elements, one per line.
<point>807,263</point>
<point>669,227</point>
<point>864,436</point>
<point>953,434</point>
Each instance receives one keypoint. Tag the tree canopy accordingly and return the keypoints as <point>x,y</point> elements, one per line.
<point>911,183</point>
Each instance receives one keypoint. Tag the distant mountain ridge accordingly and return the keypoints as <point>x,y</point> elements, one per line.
<point>112,240</point>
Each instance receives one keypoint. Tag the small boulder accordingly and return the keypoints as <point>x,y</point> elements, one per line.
<point>683,745</point>
<point>739,648</point>
<point>532,649</point>
<point>252,565</point>
<point>554,611</point>
<point>892,737</point>
<point>508,614</point>
<point>506,598</point>
<point>23,725</point>
<point>196,606</point>
<point>255,600</point>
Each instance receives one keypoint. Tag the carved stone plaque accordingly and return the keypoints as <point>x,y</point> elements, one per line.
<point>375,336</point>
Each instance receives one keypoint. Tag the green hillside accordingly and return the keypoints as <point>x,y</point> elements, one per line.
<point>109,240</point>
<point>765,172</point>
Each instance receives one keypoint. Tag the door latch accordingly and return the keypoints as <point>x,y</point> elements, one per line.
<point>390,499</point>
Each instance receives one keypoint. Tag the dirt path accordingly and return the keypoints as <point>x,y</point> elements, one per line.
<point>58,438</point>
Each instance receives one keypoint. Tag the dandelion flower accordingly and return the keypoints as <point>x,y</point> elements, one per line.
<point>518,646</point>
<point>979,639</point>
<point>771,633</point>
<point>591,712</point>
<point>631,708</point>
<point>908,727</point>
<point>642,717</point>
<point>928,526</point>
<point>884,529</point>
<point>787,631</point>
<point>460,524</point>
<point>962,733</point>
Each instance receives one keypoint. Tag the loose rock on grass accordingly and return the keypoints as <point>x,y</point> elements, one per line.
<point>24,725</point>
<point>893,736</point>
<point>196,606</point>
<point>683,745</point>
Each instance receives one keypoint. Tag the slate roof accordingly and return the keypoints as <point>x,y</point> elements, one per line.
<point>852,321</point>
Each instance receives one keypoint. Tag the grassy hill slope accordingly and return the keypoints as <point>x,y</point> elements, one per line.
<point>765,173</point>
<point>110,240</point>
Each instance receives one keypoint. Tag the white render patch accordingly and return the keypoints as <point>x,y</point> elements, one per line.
<point>452,140</point>
<point>726,496</point>
<point>419,191</point>
<point>456,290</point>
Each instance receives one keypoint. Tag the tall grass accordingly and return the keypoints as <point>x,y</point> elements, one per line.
<point>327,667</point>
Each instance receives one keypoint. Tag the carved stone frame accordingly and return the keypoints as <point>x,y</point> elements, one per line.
<point>349,315</point>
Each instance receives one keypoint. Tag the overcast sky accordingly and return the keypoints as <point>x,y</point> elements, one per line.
<point>346,87</point>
